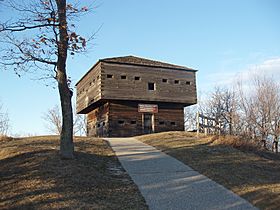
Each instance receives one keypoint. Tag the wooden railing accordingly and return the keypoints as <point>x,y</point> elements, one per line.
<point>207,125</point>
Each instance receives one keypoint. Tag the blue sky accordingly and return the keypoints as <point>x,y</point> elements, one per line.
<point>220,38</point>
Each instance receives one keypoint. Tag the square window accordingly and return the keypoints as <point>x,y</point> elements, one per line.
<point>161,122</point>
<point>123,77</point>
<point>172,123</point>
<point>176,81</point>
<point>164,80</point>
<point>151,86</point>
<point>109,76</point>
<point>133,122</point>
<point>137,78</point>
<point>121,122</point>
<point>188,83</point>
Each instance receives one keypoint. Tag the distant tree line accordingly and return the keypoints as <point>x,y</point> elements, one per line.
<point>251,111</point>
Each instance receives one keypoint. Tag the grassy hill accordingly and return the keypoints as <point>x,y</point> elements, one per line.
<point>34,177</point>
<point>254,175</point>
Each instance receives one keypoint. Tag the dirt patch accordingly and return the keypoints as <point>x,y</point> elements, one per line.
<point>254,175</point>
<point>34,177</point>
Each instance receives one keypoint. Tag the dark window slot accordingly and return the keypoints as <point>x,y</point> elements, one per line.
<point>151,86</point>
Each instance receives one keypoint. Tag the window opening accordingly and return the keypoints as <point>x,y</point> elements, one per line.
<point>151,86</point>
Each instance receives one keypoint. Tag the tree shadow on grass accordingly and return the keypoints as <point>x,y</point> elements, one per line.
<point>41,180</point>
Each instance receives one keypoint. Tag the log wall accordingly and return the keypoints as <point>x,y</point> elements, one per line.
<point>107,81</point>
<point>98,121</point>
<point>128,82</point>
<point>89,89</point>
<point>122,119</point>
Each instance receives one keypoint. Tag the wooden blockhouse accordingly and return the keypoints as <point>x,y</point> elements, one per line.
<point>128,96</point>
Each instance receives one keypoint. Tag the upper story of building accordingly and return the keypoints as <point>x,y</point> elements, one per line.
<point>132,78</point>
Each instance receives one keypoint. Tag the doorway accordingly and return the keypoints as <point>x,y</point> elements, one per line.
<point>148,123</point>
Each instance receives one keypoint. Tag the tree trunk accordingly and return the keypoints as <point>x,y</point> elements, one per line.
<point>65,93</point>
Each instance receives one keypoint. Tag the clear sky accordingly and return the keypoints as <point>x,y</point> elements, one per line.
<point>220,38</point>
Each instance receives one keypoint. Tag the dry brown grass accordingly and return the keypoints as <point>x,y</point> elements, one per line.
<point>254,176</point>
<point>238,142</point>
<point>34,177</point>
<point>5,138</point>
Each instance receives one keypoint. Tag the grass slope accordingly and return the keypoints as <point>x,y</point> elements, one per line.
<point>255,177</point>
<point>34,177</point>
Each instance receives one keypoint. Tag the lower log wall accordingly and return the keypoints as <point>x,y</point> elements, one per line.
<point>97,121</point>
<point>122,119</point>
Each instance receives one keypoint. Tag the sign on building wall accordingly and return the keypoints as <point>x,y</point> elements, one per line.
<point>150,108</point>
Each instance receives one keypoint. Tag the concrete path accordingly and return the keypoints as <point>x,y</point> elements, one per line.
<point>167,183</point>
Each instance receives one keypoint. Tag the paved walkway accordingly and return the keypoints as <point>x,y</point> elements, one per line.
<point>167,183</point>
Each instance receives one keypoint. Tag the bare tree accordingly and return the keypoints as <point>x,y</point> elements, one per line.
<point>275,113</point>
<point>190,117</point>
<point>80,124</point>
<point>260,110</point>
<point>4,121</point>
<point>222,106</point>
<point>275,121</point>
<point>39,37</point>
<point>53,121</point>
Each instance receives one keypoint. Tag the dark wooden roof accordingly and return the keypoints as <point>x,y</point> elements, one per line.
<point>133,60</point>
